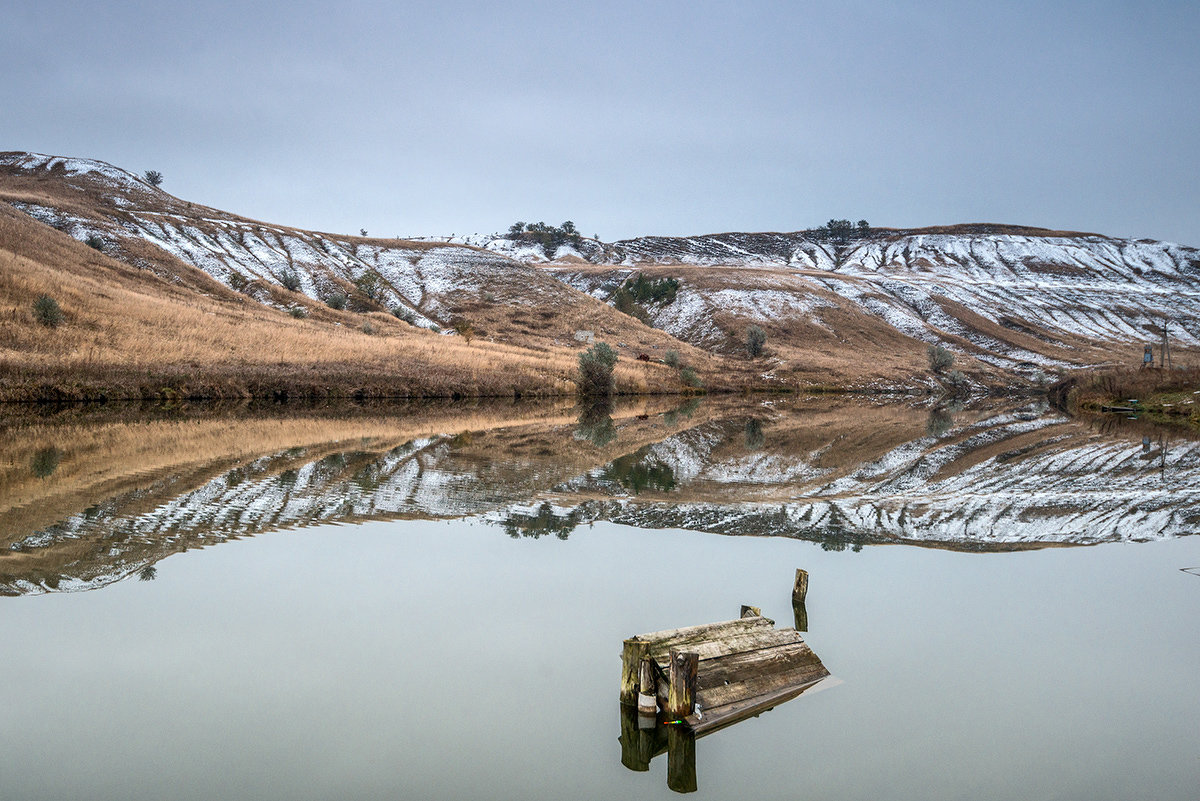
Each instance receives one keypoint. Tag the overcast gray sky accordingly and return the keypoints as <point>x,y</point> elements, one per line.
<point>628,118</point>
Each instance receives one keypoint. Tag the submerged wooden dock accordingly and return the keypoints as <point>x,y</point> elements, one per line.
<point>706,677</point>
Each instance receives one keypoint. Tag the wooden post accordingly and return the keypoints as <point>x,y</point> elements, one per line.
<point>681,685</point>
<point>800,613</point>
<point>681,760</point>
<point>800,588</point>
<point>751,611</point>
<point>647,702</point>
<point>632,654</point>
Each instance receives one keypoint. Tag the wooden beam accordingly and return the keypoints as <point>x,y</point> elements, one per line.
<point>665,639</point>
<point>718,718</point>
<point>736,667</point>
<point>763,684</point>
<point>731,644</point>
<point>751,611</point>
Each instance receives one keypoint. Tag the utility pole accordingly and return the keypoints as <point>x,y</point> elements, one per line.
<point>1166,348</point>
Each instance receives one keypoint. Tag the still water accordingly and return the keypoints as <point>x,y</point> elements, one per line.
<point>431,604</point>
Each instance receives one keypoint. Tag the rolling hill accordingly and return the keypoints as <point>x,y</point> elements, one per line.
<point>166,296</point>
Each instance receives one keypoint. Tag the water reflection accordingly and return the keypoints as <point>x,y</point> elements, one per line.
<point>86,503</point>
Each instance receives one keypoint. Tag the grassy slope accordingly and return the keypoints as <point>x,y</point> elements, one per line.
<point>169,329</point>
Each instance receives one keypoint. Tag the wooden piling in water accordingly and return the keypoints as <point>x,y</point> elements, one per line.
<point>632,654</point>
<point>681,684</point>
<point>800,588</point>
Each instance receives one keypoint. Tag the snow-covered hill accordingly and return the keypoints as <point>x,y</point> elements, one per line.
<point>1002,297</point>
<point>861,312</point>
<point>120,214</point>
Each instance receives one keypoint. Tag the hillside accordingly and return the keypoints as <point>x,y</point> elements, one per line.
<point>1021,300</point>
<point>168,297</point>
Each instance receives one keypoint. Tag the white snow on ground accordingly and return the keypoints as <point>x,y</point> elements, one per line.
<point>1051,288</point>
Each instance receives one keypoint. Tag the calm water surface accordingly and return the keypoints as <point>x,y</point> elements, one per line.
<point>422,613</point>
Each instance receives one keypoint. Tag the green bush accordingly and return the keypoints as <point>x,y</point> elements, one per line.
<point>290,281</point>
<point>671,358</point>
<point>939,358</point>
<point>47,311</point>
<point>336,301</point>
<point>153,177</point>
<point>549,237</point>
<point>755,339</point>
<point>624,302</point>
<point>370,283</point>
<point>645,290</point>
<point>464,329</point>
<point>367,328</point>
<point>688,376</point>
<point>596,370</point>
<point>299,312</point>
<point>407,315</point>
<point>94,241</point>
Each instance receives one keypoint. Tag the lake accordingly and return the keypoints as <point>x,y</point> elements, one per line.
<point>429,601</point>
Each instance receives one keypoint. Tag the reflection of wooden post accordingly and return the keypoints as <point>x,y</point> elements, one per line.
<point>633,755</point>
<point>800,588</point>
<point>800,613</point>
<point>681,760</point>
<point>631,662</point>
<point>751,611</point>
<point>681,686</point>
<point>647,703</point>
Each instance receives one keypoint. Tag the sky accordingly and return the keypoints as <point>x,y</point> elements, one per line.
<point>664,118</point>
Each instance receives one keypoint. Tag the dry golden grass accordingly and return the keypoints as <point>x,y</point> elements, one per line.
<point>130,333</point>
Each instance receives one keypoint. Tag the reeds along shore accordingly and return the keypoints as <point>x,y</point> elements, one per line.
<point>1170,393</point>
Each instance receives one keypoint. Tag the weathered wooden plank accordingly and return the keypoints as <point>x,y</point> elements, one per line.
<point>763,661</point>
<point>754,639</point>
<point>750,611</point>
<point>664,640</point>
<point>763,684</point>
<point>720,717</point>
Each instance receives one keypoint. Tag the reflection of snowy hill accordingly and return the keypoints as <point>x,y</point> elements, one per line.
<point>1002,482</point>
